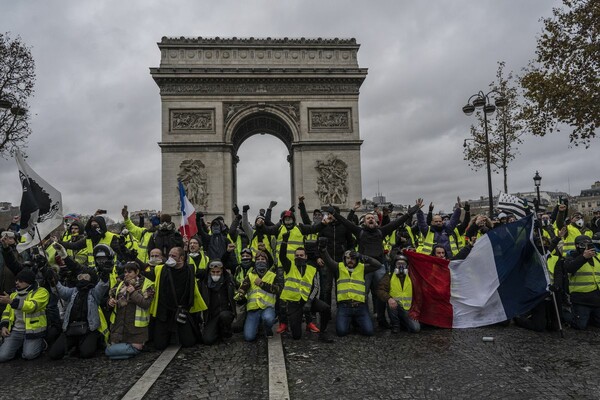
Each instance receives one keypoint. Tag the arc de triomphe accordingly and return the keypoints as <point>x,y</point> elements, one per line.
<point>216,93</point>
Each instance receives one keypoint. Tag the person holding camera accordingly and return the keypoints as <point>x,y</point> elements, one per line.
<point>23,324</point>
<point>130,317</point>
<point>260,291</point>
<point>217,289</point>
<point>300,292</point>
<point>351,290</point>
<point>84,324</point>
<point>583,266</point>
<point>177,301</point>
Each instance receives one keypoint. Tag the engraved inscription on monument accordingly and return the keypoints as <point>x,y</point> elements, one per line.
<point>193,121</point>
<point>330,120</point>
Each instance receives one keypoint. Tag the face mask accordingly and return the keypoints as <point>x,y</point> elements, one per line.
<point>301,262</point>
<point>579,223</point>
<point>215,278</point>
<point>171,262</point>
<point>246,263</point>
<point>216,229</point>
<point>194,255</point>
<point>260,267</point>
<point>155,261</point>
<point>124,232</point>
<point>166,226</point>
<point>546,222</point>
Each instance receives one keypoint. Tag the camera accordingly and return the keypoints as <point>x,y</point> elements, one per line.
<point>181,316</point>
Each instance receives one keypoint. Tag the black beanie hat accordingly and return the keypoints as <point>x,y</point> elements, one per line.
<point>26,275</point>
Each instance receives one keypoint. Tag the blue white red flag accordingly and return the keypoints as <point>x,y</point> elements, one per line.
<point>188,214</point>
<point>503,276</point>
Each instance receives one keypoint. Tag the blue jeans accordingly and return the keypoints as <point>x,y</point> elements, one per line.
<point>582,314</point>
<point>371,282</point>
<point>253,319</point>
<point>399,316</point>
<point>346,314</point>
<point>121,351</point>
<point>16,340</point>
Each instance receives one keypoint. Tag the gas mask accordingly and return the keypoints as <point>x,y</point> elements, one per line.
<point>401,268</point>
<point>215,229</point>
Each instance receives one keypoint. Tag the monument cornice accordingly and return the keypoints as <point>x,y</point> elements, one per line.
<point>258,86</point>
<point>183,147</point>
<point>258,42</point>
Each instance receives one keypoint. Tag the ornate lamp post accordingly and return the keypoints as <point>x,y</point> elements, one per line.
<point>482,101</point>
<point>537,180</point>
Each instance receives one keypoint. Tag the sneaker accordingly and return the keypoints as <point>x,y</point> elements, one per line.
<point>311,327</point>
<point>282,328</point>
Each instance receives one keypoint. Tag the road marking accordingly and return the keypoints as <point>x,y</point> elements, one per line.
<point>141,387</point>
<point>278,384</point>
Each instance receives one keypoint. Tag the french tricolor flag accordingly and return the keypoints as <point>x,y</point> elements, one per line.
<point>188,226</point>
<point>503,276</point>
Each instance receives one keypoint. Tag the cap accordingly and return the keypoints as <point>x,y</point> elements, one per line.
<point>502,215</point>
<point>26,275</point>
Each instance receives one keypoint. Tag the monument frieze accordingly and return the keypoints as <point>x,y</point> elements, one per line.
<point>264,88</point>
<point>193,120</point>
<point>330,119</point>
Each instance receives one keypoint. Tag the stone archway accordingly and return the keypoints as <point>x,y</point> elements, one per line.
<point>216,93</point>
<point>259,122</point>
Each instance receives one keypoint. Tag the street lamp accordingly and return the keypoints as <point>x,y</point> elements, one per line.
<point>537,180</point>
<point>482,101</point>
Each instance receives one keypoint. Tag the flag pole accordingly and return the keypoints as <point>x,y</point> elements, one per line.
<point>52,283</point>
<point>560,328</point>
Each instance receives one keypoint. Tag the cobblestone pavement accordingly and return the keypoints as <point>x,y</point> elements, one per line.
<point>233,370</point>
<point>97,378</point>
<point>447,364</point>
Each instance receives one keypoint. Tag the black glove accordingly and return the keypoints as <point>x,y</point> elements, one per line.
<point>467,207</point>
<point>293,208</point>
<point>245,208</point>
<point>236,209</point>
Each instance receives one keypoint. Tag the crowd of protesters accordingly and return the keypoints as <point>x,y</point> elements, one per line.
<point>89,289</point>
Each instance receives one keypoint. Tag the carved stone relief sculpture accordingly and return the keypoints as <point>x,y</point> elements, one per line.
<point>192,120</point>
<point>193,176</point>
<point>332,182</point>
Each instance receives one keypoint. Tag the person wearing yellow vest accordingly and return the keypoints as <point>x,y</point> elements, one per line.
<point>142,235</point>
<point>260,291</point>
<point>300,293</point>
<point>240,273</point>
<point>440,232</point>
<point>23,324</point>
<point>130,317</point>
<point>75,237</point>
<point>583,266</point>
<point>96,233</point>
<point>196,255</point>
<point>575,228</point>
<point>257,241</point>
<point>395,289</point>
<point>177,302</point>
<point>83,322</point>
<point>351,290</point>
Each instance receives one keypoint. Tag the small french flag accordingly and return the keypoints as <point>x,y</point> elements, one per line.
<point>503,276</point>
<point>188,226</point>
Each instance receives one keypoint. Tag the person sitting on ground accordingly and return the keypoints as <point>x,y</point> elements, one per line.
<point>84,323</point>
<point>259,291</point>
<point>395,289</point>
<point>177,301</point>
<point>300,293</point>
<point>217,290</point>
<point>350,284</point>
<point>130,317</point>
<point>23,324</point>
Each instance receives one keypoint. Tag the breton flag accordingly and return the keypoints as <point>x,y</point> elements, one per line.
<point>503,276</point>
<point>513,204</point>
<point>41,206</point>
<point>188,214</point>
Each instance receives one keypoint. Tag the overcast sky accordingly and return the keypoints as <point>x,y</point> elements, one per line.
<point>96,111</point>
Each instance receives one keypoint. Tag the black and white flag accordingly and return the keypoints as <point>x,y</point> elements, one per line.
<point>41,206</point>
<point>512,204</point>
